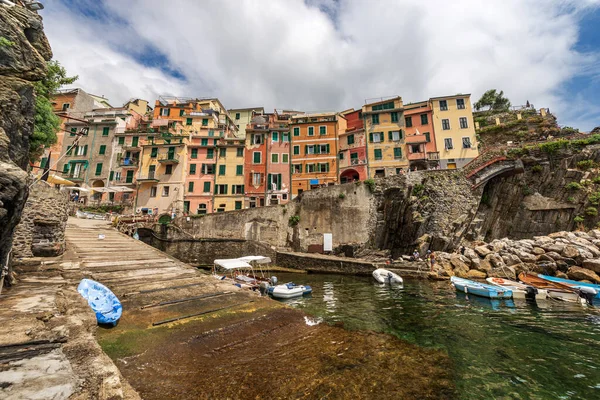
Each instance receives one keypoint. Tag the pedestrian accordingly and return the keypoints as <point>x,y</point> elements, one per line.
<point>431,259</point>
<point>462,250</point>
<point>416,255</point>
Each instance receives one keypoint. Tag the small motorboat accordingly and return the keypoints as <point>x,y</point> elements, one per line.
<point>102,300</point>
<point>480,289</point>
<point>590,291</point>
<point>520,290</point>
<point>556,290</point>
<point>289,290</point>
<point>384,276</point>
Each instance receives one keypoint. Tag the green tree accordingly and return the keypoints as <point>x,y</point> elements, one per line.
<point>493,100</point>
<point>46,123</point>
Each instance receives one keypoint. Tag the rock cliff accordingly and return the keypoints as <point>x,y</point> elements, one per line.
<point>23,55</point>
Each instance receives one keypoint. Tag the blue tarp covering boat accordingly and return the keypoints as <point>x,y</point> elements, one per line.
<point>575,284</point>
<point>103,302</point>
<point>480,289</point>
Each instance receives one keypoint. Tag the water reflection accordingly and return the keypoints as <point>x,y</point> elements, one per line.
<point>501,349</point>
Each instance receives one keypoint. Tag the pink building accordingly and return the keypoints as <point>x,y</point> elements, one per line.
<point>352,152</point>
<point>278,159</point>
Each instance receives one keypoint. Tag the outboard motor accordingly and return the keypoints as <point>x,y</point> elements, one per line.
<point>530,292</point>
<point>588,294</point>
<point>264,288</point>
<point>273,280</point>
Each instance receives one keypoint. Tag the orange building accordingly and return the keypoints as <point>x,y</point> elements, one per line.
<point>421,148</point>
<point>314,143</point>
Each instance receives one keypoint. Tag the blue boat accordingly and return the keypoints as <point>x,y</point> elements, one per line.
<point>480,289</point>
<point>590,288</point>
<point>103,302</point>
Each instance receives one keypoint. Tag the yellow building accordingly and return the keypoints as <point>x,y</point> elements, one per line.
<point>140,106</point>
<point>242,116</point>
<point>384,126</point>
<point>454,130</point>
<point>229,175</point>
<point>161,175</point>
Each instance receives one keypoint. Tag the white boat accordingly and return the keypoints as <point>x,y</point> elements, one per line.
<point>520,290</point>
<point>240,272</point>
<point>289,290</point>
<point>384,276</point>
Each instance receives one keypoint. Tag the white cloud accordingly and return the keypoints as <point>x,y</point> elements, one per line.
<point>325,54</point>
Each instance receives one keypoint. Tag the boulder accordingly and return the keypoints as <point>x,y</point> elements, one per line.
<point>562,265</point>
<point>495,260</point>
<point>555,247</point>
<point>482,251</point>
<point>594,233</point>
<point>511,259</point>
<point>561,234</point>
<point>470,253</point>
<point>583,235</point>
<point>570,252</point>
<point>545,257</point>
<point>498,245</point>
<point>474,274</point>
<point>460,268</point>
<point>526,257</point>
<point>579,274</point>
<point>484,265</point>
<point>545,267</point>
<point>593,265</point>
<point>503,272</point>
<point>538,251</point>
<point>553,255</point>
<point>561,275</point>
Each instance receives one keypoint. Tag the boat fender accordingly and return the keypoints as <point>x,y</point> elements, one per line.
<point>466,290</point>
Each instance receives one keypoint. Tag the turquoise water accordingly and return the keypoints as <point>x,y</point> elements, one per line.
<point>500,349</point>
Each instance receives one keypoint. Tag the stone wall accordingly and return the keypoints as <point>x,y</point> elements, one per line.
<point>41,232</point>
<point>325,264</point>
<point>203,252</point>
<point>23,58</point>
<point>393,213</point>
<point>538,202</point>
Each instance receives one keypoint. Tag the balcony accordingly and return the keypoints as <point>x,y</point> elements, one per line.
<point>169,159</point>
<point>73,177</point>
<point>151,177</point>
<point>131,147</point>
<point>128,162</point>
<point>123,182</point>
<point>416,156</point>
<point>416,139</point>
<point>433,156</point>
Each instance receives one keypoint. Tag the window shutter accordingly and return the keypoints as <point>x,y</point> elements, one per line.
<point>168,112</point>
<point>111,176</point>
<point>269,181</point>
<point>371,137</point>
<point>278,181</point>
<point>390,137</point>
<point>85,150</point>
<point>216,186</point>
<point>66,168</point>
<point>70,151</point>
<point>225,186</point>
<point>401,134</point>
<point>327,148</point>
<point>306,149</point>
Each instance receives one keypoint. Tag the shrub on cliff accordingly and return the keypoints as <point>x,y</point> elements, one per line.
<point>46,122</point>
<point>573,186</point>
<point>584,165</point>
<point>591,211</point>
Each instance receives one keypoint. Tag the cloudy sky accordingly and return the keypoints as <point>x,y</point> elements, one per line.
<point>333,54</point>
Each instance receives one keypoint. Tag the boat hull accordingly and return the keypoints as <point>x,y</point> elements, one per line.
<point>519,290</point>
<point>384,276</point>
<point>575,284</point>
<point>102,300</point>
<point>288,291</point>
<point>481,289</point>
<point>556,290</point>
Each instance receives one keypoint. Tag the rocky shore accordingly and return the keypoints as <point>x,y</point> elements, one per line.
<point>570,255</point>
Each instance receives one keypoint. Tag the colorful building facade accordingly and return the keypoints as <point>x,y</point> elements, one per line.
<point>255,163</point>
<point>243,116</point>
<point>278,182</point>
<point>454,130</point>
<point>384,126</point>
<point>421,147</point>
<point>229,192</point>
<point>161,175</point>
<point>314,139</point>
<point>352,152</point>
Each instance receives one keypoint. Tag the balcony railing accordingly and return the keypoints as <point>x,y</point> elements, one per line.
<point>122,181</point>
<point>128,162</point>
<point>73,177</point>
<point>356,161</point>
<point>433,156</point>
<point>416,156</point>
<point>149,177</point>
<point>169,159</point>
<point>416,139</point>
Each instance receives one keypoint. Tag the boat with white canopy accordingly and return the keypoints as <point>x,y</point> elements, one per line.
<point>239,271</point>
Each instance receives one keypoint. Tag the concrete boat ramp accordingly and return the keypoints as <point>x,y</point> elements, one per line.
<point>185,335</point>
